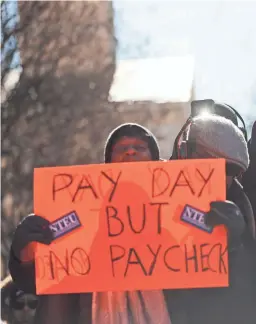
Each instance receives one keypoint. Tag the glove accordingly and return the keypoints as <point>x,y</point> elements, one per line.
<point>32,229</point>
<point>227,213</point>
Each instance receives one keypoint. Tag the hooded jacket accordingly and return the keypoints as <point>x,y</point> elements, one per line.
<point>235,304</point>
<point>249,178</point>
<point>131,130</point>
<point>77,308</point>
<point>184,306</point>
<point>194,306</point>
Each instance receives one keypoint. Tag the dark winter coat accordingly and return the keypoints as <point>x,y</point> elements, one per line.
<point>235,304</point>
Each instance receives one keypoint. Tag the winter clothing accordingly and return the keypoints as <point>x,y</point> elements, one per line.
<point>105,307</point>
<point>227,213</point>
<point>236,303</point>
<point>131,130</point>
<point>249,178</point>
<point>33,229</point>
<point>220,138</point>
<point>224,110</point>
<point>195,306</point>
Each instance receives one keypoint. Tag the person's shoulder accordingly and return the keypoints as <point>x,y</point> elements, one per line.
<point>238,195</point>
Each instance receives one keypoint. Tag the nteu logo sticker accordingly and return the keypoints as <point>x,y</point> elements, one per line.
<point>65,224</point>
<point>195,217</point>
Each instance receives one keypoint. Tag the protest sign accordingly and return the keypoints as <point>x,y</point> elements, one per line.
<point>130,226</point>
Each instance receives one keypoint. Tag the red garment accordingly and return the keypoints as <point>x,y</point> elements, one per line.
<point>136,307</point>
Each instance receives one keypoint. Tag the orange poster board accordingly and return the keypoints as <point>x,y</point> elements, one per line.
<point>130,226</point>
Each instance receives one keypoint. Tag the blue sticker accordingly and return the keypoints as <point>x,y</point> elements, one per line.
<point>65,224</point>
<point>195,217</point>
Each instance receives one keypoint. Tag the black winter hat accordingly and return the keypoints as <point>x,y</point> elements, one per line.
<point>131,130</point>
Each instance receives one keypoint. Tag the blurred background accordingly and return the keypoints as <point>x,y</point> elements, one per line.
<point>72,71</point>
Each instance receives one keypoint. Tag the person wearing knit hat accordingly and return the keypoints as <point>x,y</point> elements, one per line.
<point>126,143</point>
<point>131,142</point>
<point>209,106</point>
<point>218,137</point>
<point>212,136</point>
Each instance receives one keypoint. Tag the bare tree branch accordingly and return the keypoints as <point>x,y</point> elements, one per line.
<point>54,113</point>
<point>8,43</point>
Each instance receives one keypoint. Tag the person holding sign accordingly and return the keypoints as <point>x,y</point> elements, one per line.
<point>213,136</point>
<point>127,143</point>
<point>249,178</point>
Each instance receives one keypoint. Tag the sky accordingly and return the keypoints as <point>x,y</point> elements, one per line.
<point>219,34</point>
<point>11,7</point>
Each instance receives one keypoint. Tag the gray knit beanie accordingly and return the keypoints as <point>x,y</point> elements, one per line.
<point>221,139</point>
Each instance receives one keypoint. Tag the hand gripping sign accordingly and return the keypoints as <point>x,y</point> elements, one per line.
<point>130,226</point>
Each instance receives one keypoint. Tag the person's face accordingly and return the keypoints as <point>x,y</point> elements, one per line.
<point>130,149</point>
<point>24,308</point>
<point>200,153</point>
